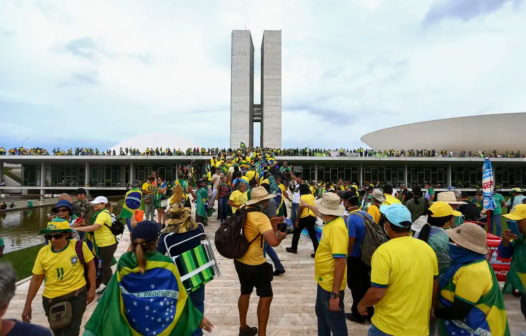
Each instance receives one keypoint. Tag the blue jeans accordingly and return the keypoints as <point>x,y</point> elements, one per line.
<point>374,331</point>
<point>128,224</point>
<point>274,256</point>
<point>328,320</point>
<point>223,209</point>
<point>294,212</point>
<point>497,220</point>
<point>198,299</point>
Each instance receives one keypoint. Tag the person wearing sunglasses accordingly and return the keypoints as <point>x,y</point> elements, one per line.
<point>64,210</point>
<point>65,289</point>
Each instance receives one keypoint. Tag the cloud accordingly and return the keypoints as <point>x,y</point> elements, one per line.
<point>84,47</point>
<point>464,10</point>
<point>88,77</point>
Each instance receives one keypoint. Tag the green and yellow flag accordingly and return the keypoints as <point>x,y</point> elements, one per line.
<point>153,303</point>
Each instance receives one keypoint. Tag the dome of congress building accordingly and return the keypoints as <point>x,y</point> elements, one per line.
<point>155,140</point>
<point>500,132</point>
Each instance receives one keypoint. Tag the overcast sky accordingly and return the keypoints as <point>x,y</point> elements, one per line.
<point>93,73</point>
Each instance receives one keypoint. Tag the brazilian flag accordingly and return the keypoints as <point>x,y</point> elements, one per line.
<point>244,164</point>
<point>153,303</point>
<point>132,202</point>
<point>224,168</point>
<point>242,145</point>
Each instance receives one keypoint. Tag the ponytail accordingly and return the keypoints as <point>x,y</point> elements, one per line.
<point>109,207</point>
<point>139,247</point>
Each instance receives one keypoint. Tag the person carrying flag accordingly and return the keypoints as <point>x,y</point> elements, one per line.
<point>132,202</point>
<point>146,295</point>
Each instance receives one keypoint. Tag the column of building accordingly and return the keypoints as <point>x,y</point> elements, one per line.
<point>42,180</point>
<point>405,175</point>
<point>87,177</point>
<point>448,177</point>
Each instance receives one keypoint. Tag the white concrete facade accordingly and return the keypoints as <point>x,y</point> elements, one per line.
<point>271,89</point>
<point>242,89</point>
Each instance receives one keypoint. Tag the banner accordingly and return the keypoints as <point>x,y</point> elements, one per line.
<point>487,185</point>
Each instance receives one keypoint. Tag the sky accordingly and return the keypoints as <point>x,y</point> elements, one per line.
<point>95,73</point>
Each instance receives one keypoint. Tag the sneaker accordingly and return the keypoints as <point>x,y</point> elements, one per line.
<point>278,273</point>
<point>354,319</point>
<point>290,250</point>
<point>248,331</point>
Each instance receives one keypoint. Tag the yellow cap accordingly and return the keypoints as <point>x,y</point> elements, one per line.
<point>442,209</point>
<point>517,213</point>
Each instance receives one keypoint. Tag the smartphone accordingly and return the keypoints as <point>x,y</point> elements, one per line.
<point>283,227</point>
<point>512,225</point>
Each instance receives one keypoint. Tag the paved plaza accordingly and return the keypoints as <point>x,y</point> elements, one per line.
<point>292,310</point>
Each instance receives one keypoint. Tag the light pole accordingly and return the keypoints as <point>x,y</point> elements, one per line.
<point>24,142</point>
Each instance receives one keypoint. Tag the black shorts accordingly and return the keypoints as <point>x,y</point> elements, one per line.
<point>259,276</point>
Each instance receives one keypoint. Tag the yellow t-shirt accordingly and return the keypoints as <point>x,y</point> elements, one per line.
<point>374,211</point>
<point>147,187</point>
<point>251,174</point>
<point>334,243</point>
<point>282,187</point>
<point>63,271</point>
<point>256,223</point>
<point>309,199</point>
<point>103,235</point>
<point>471,283</point>
<point>238,197</point>
<point>406,267</point>
<point>389,200</point>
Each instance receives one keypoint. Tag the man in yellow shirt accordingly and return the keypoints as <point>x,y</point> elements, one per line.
<point>253,269</point>
<point>330,265</point>
<point>147,192</point>
<point>402,279</point>
<point>305,218</point>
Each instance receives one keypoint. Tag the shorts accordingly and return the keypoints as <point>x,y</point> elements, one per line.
<point>259,276</point>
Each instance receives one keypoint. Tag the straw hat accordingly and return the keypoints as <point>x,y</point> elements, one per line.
<point>329,204</point>
<point>259,194</point>
<point>448,197</point>
<point>470,236</point>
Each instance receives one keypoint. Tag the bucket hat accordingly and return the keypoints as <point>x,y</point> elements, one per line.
<point>442,209</point>
<point>259,194</point>
<point>448,197</point>
<point>470,236</point>
<point>329,204</point>
<point>63,203</point>
<point>57,225</point>
<point>378,195</point>
<point>516,191</point>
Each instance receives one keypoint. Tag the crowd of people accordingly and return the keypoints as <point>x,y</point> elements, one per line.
<point>414,261</point>
<point>359,152</point>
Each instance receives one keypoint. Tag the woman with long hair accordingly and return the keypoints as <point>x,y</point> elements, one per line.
<point>147,295</point>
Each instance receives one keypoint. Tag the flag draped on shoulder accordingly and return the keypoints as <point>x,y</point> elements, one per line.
<point>153,303</point>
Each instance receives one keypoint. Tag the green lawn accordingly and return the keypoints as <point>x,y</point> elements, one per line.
<point>22,260</point>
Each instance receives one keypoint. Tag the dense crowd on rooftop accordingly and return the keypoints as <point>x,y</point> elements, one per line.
<point>317,152</point>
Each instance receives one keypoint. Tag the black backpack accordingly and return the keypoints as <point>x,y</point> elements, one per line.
<point>117,228</point>
<point>230,239</point>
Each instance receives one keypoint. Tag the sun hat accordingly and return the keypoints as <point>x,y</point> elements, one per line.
<point>448,197</point>
<point>443,209</point>
<point>329,204</point>
<point>470,236</point>
<point>99,200</point>
<point>378,195</point>
<point>259,194</point>
<point>147,230</point>
<point>516,191</point>
<point>63,203</point>
<point>517,213</point>
<point>396,214</point>
<point>57,225</point>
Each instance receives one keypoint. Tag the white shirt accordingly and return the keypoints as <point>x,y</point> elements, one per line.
<point>395,193</point>
<point>296,195</point>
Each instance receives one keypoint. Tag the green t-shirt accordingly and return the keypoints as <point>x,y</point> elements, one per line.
<point>202,198</point>
<point>1,242</point>
<point>498,207</point>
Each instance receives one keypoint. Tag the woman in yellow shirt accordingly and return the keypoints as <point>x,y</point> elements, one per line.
<point>104,242</point>
<point>238,197</point>
<point>65,288</point>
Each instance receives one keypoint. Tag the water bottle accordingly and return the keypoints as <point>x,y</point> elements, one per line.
<point>99,269</point>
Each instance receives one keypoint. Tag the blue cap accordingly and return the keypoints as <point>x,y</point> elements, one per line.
<point>396,214</point>
<point>63,203</point>
<point>147,230</point>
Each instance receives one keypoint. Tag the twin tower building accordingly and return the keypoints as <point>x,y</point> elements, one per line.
<point>244,112</point>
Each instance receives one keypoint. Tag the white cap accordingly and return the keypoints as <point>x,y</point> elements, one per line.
<point>99,200</point>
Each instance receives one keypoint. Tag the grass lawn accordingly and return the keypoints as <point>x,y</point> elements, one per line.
<point>22,260</point>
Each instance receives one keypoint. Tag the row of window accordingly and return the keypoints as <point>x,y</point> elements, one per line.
<point>118,175</point>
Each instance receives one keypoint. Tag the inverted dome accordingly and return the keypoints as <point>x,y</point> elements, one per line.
<point>155,140</point>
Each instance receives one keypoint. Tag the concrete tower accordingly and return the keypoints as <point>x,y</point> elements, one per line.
<point>243,112</point>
